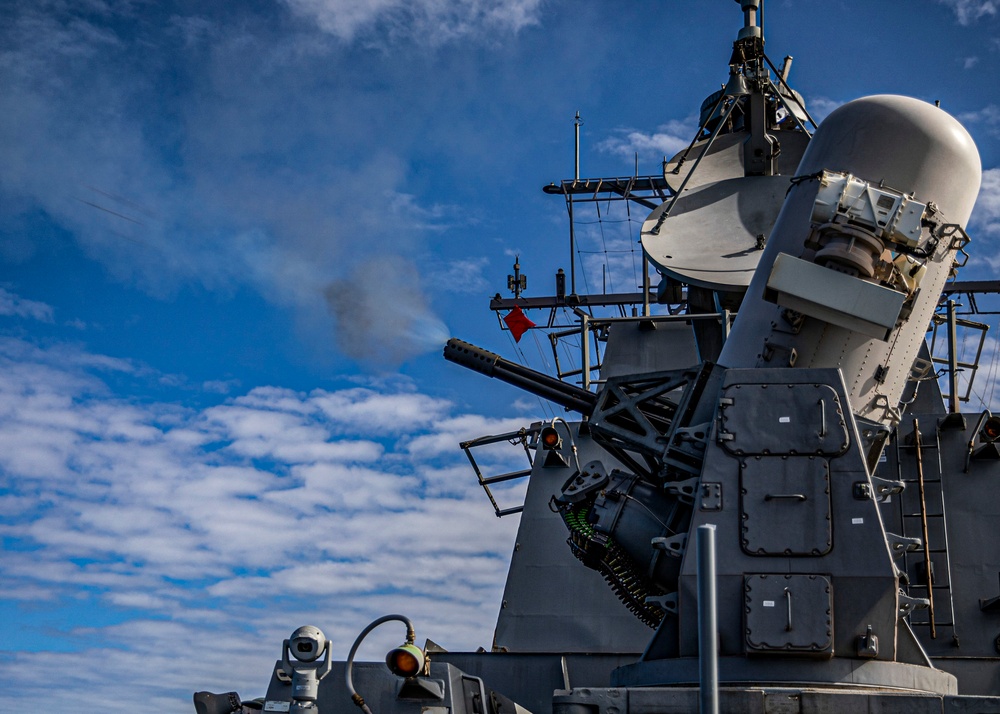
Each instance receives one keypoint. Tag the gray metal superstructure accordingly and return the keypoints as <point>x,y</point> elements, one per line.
<point>786,415</point>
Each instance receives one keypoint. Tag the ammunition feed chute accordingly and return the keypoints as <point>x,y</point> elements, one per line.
<point>651,424</point>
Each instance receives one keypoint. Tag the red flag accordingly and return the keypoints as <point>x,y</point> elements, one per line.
<point>518,323</point>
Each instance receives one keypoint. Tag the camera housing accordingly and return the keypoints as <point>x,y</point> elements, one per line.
<point>307,643</point>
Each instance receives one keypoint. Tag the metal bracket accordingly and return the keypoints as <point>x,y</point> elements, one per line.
<point>674,545</point>
<point>636,418</point>
<point>886,487</point>
<point>867,645</point>
<point>901,544</point>
<point>891,413</point>
<point>771,348</point>
<point>958,240</point>
<point>711,496</point>
<point>908,604</point>
<point>421,688</point>
<point>580,485</point>
<point>684,490</point>
<point>667,603</point>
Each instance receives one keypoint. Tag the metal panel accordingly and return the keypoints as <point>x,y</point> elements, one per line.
<point>833,297</point>
<point>634,348</point>
<point>782,419</point>
<point>715,233</point>
<point>786,506</point>
<point>792,613</point>
<point>551,601</point>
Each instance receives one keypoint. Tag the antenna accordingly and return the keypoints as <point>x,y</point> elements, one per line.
<point>752,10</point>
<point>517,282</point>
<point>576,153</point>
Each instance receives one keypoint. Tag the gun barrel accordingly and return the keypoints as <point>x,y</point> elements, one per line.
<point>538,383</point>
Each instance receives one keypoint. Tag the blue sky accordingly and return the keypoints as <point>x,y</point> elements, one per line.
<point>232,240</point>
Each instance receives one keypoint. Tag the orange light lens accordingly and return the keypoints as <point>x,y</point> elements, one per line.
<point>991,429</point>
<point>404,663</point>
<point>550,437</point>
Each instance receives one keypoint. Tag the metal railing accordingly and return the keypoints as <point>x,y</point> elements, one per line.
<point>525,437</point>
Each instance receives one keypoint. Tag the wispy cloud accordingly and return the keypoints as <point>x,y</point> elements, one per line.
<point>820,107</point>
<point>608,242</point>
<point>224,156</point>
<point>234,523</point>
<point>424,20</point>
<point>16,306</point>
<point>986,214</point>
<point>984,227</point>
<point>461,276</point>
<point>988,118</point>
<point>968,11</point>
<point>666,140</point>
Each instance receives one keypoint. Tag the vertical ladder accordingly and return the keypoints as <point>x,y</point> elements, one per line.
<point>922,508</point>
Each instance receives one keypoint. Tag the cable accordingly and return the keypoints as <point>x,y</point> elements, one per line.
<point>604,242</point>
<point>572,442</point>
<point>632,242</point>
<point>523,358</point>
<point>992,372</point>
<point>349,669</point>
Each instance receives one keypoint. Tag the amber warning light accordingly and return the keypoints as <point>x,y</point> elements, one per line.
<point>407,660</point>
<point>991,429</point>
<point>550,438</point>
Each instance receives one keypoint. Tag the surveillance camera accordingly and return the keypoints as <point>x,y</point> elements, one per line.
<point>307,643</point>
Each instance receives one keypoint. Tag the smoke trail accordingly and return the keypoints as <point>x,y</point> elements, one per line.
<point>382,315</point>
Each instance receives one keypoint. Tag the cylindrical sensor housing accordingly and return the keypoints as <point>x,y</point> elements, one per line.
<point>861,250</point>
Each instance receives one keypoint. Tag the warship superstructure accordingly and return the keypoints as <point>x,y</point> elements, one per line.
<point>761,499</point>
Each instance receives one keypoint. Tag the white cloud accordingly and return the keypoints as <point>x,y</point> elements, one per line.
<point>608,243</point>
<point>986,213</point>
<point>429,21</point>
<point>985,380</point>
<point>461,276</point>
<point>223,156</point>
<point>16,306</point>
<point>968,11</point>
<point>988,118</point>
<point>220,386</point>
<point>820,107</point>
<point>667,140</point>
<point>235,523</point>
<point>364,410</point>
<point>455,430</point>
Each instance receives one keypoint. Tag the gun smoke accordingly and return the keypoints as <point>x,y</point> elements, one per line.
<point>382,314</point>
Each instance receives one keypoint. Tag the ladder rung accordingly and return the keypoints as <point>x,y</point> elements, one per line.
<point>507,477</point>
<point>509,511</point>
